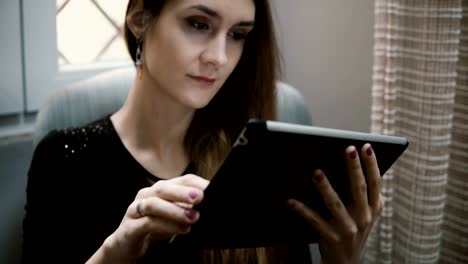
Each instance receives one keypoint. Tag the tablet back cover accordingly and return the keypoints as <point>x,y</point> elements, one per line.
<point>245,204</point>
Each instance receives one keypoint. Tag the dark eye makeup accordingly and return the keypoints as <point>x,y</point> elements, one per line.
<point>202,25</point>
<point>198,23</point>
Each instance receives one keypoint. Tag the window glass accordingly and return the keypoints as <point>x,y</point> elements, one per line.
<point>90,31</point>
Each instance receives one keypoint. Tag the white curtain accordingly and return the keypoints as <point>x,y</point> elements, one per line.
<point>420,90</point>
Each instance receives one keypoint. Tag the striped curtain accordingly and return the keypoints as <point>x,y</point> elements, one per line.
<point>420,91</point>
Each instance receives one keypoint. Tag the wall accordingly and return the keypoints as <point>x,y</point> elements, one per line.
<point>15,157</point>
<point>327,48</point>
<point>11,82</point>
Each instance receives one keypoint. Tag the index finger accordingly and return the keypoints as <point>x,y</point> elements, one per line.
<point>192,180</point>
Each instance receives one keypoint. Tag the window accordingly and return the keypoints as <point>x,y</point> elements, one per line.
<point>97,38</point>
<point>68,40</point>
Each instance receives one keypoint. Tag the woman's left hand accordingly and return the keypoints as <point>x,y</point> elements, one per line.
<point>343,238</point>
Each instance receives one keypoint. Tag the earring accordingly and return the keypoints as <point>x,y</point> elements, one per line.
<point>138,61</point>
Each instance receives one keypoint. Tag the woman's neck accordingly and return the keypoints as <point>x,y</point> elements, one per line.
<point>153,127</point>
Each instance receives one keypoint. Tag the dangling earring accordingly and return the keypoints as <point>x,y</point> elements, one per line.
<point>138,61</point>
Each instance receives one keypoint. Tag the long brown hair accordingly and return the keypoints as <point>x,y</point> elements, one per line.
<point>250,91</point>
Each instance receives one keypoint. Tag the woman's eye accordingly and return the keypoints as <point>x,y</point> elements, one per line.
<point>198,25</point>
<point>237,35</point>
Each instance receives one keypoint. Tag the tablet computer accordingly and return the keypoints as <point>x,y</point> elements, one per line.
<point>245,204</point>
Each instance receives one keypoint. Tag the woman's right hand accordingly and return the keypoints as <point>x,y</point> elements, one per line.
<point>158,212</point>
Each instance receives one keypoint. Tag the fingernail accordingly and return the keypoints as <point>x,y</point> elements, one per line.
<point>369,150</point>
<point>292,203</point>
<point>353,154</point>
<point>319,176</point>
<point>193,195</point>
<point>191,214</point>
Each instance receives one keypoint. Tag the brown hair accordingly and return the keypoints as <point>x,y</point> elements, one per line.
<point>250,91</point>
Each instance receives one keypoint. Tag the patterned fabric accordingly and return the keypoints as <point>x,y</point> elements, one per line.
<point>420,90</point>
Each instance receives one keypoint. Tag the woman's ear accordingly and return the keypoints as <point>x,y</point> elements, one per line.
<point>137,19</point>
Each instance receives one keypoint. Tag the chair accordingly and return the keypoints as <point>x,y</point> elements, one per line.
<point>90,99</point>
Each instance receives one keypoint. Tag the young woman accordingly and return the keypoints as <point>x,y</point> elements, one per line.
<point>117,190</point>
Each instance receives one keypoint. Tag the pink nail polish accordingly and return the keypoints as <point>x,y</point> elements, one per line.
<point>193,195</point>
<point>353,154</point>
<point>292,204</point>
<point>369,150</point>
<point>319,176</point>
<point>191,214</point>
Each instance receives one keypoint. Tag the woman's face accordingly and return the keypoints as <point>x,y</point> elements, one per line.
<point>194,45</point>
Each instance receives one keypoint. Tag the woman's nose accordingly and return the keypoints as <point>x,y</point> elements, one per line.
<point>216,52</point>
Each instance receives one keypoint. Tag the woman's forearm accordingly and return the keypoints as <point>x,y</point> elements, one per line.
<point>105,255</point>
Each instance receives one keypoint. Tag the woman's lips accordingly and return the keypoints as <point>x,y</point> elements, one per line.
<point>203,79</point>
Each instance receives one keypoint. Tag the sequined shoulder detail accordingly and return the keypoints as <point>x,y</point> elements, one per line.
<point>78,139</point>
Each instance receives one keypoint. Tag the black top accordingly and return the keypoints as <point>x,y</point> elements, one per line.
<point>80,183</point>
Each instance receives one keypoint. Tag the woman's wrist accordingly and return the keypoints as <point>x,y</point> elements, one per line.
<point>101,256</point>
<point>107,253</point>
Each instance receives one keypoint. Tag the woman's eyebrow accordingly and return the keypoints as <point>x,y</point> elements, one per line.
<point>206,10</point>
<point>214,14</point>
<point>246,24</point>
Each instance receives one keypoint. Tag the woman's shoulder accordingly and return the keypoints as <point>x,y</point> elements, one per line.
<point>73,141</point>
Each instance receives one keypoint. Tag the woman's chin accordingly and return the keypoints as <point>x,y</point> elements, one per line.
<point>199,105</point>
<point>198,102</point>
